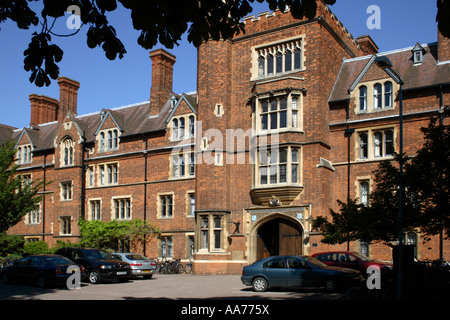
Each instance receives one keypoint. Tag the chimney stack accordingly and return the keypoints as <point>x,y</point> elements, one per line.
<point>367,45</point>
<point>43,109</point>
<point>162,79</point>
<point>68,89</point>
<point>443,48</point>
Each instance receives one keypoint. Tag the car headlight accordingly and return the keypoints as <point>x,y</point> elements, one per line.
<point>106,266</point>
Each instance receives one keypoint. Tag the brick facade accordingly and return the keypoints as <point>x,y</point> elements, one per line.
<point>123,160</point>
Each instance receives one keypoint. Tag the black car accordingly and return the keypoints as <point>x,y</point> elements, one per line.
<point>98,264</point>
<point>296,272</point>
<point>43,270</point>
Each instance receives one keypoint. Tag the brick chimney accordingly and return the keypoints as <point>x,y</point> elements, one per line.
<point>443,47</point>
<point>43,109</point>
<point>162,79</point>
<point>68,89</point>
<point>367,45</point>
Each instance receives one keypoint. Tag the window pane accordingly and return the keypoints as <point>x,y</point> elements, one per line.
<point>273,174</point>
<point>264,120</point>
<point>217,237</point>
<point>273,105</point>
<point>270,59</point>
<point>363,145</point>
<point>378,144</point>
<point>294,155</point>
<point>283,173</point>
<point>279,63</point>
<point>283,119</point>
<point>264,106</point>
<point>273,120</point>
<point>294,173</point>
<point>288,61</point>
<point>362,98</point>
<point>297,59</point>
<point>389,142</point>
<point>377,102</point>
<point>364,192</point>
<point>261,65</point>
<point>388,94</point>
<point>263,174</point>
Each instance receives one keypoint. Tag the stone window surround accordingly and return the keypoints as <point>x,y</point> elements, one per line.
<point>300,40</point>
<point>370,96</point>
<point>370,142</point>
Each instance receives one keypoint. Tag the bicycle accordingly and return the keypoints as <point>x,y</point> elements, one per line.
<point>188,267</point>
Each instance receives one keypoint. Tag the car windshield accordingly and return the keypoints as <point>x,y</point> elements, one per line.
<point>57,260</point>
<point>315,262</point>
<point>98,255</point>
<point>135,257</point>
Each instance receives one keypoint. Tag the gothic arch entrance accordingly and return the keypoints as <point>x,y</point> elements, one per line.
<point>278,236</point>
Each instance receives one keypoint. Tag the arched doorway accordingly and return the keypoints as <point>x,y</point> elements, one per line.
<point>279,236</point>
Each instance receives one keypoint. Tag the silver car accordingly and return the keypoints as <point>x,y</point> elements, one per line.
<point>140,265</point>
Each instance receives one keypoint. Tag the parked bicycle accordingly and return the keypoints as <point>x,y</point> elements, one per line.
<point>171,267</point>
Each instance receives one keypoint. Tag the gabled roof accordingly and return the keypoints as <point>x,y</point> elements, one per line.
<point>6,133</point>
<point>428,73</point>
<point>191,101</point>
<point>132,119</point>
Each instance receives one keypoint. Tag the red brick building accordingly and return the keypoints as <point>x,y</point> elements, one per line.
<point>287,119</point>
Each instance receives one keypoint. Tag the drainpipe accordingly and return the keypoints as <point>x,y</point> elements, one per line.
<point>83,176</point>
<point>43,199</point>
<point>348,134</point>
<point>145,187</point>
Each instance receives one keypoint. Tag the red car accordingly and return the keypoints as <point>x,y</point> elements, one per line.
<point>351,260</point>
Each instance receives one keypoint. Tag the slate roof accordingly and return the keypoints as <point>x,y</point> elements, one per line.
<point>428,73</point>
<point>132,120</point>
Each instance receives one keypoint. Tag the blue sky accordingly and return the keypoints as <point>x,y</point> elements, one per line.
<point>109,84</point>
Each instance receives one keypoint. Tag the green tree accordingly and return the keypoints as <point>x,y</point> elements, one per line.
<point>10,244</point>
<point>431,171</point>
<point>345,225</point>
<point>100,234</point>
<point>16,197</point>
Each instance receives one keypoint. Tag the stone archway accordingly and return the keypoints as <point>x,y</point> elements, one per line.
<point>278,235</point>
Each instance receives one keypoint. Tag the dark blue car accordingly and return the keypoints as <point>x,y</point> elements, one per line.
<point>43,270</point>
<point>297,272</point>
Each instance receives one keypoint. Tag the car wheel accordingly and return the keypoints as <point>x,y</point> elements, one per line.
<point>42,282</point>
<point>260,284</point>
<point>331,285</point>
<point>94,276</point>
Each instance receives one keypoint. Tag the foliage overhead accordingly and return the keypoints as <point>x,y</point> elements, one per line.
<point>159,21</point>
<point>16,197</point>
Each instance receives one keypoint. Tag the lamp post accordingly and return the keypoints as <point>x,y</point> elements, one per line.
<point>384,63</point>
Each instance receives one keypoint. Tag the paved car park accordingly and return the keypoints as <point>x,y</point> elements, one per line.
<point>163,287</point>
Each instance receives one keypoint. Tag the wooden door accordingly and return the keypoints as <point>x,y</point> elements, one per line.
<point>279,237</point>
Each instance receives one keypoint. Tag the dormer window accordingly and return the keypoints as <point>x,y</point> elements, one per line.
<point>183,127</point>
<point>108,140</point>
<point>417,54</point>
<point>24,154</point>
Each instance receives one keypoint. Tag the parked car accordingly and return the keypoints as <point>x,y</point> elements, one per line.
<point>140,265</point>
<point>351,260</point>
<point>296,272</point>
<point>43,270</point>
<point>98,264</point>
